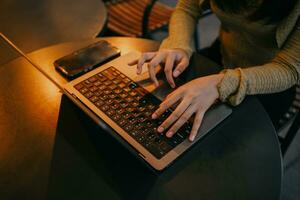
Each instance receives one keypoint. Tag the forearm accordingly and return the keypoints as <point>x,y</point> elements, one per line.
<point>269,78</point>
<point>278,75</point>
<point>182,26</point>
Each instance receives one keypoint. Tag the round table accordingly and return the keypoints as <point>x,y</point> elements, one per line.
<point>33,24</point>
<point>50,149</point>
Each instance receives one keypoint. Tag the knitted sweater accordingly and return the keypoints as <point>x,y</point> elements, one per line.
<point>258,57</point>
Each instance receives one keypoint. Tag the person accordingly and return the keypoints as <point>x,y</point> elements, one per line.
<point>260,48</point>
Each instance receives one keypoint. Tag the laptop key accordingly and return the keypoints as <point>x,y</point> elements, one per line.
<point>83,90</point>
<point>79,86</point>
<point>93,79</point>
<point>99,103</point>
<point>94,99</point>
<point>88,94</point>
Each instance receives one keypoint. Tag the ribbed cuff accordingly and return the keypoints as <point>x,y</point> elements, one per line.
<point>232,88</point>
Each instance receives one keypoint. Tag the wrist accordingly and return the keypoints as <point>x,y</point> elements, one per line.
<point>216,79</point>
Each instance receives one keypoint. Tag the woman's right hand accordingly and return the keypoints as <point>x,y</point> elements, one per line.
<point>174,61</point>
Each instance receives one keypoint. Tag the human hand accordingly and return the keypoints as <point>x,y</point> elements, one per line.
<point>175,62</point>
<point>195,97</point>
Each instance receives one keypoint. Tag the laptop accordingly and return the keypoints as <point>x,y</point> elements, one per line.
<point>125,101</point>
<point>114,95</point>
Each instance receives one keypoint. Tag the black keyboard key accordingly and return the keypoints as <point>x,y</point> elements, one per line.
<point>128,127</point>
<point>111,112</point>
<point>102,87</point>
<point>133,93</point>
<point>157,152</point>
<point>101,77</point>
<point>104,97</point>
<point>104,108</point>
<point>107,82</point>
<point>97,93</point>
<point>79,86</point>
<point>122,122</point>
<point>126,80</point>
<point>117,81</point>
<point>123,95</point>
<point>120,111</point>
<point>117,91</point>
<point>130,110</point>
<point>121,85</point>
<point>115,106</point>
<point>165,146</point>
<point>127,89</point>
<point>97,83</point>
<point>93,89</point>
<point>108,74</point>
<point>88,94</point>
<point>127,115</point>
<point>88,83</point>
<point>93,79</point>
<point>116,117</point>
<point>124,104</point>
<point>112,86</point>
<point>94,99</point>
<point>83,90</point>
<point>107,91</point>
<point>109,101</point>
<point>99,103</point>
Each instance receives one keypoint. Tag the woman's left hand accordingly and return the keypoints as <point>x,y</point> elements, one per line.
<point>195,97</point>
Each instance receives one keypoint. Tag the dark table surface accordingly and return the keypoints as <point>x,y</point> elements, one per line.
<point>7,53</point>
<point>33,24</point>
<point>49,149</point>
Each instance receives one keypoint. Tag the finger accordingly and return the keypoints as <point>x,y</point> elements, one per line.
<point>152,75</point>
<point>182,65</point>
<point>157,59</point>
<point>196,125</point>
<point>181,108</point>
<point>181,121</point>
<point>168,69</point>
<point>167,103</point>
<point>134,62</point>
<point>144,58</point>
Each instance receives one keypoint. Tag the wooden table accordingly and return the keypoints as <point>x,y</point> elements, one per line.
<point>49,149</point>
<point>33,24</point>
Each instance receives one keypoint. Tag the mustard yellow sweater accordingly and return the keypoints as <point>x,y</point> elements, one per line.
<point>258,57</point>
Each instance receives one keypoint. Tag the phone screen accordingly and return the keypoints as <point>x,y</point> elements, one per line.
<point>86,59</point>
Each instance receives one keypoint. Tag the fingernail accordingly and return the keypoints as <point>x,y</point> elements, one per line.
<point>176,73</point>
<point>160,129</point>
<point>192,137</point>
<point>169,134</point>
<point>154,116</point>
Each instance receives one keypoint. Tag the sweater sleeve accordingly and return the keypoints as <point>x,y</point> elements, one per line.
<point>182,26</point>
<point>280,74</point>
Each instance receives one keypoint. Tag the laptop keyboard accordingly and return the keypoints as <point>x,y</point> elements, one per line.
<point>131,106</point>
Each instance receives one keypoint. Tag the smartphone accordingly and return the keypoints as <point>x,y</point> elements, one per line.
<point>86,59</point>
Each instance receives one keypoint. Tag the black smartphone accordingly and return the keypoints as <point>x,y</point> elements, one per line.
<point>86,59</point>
